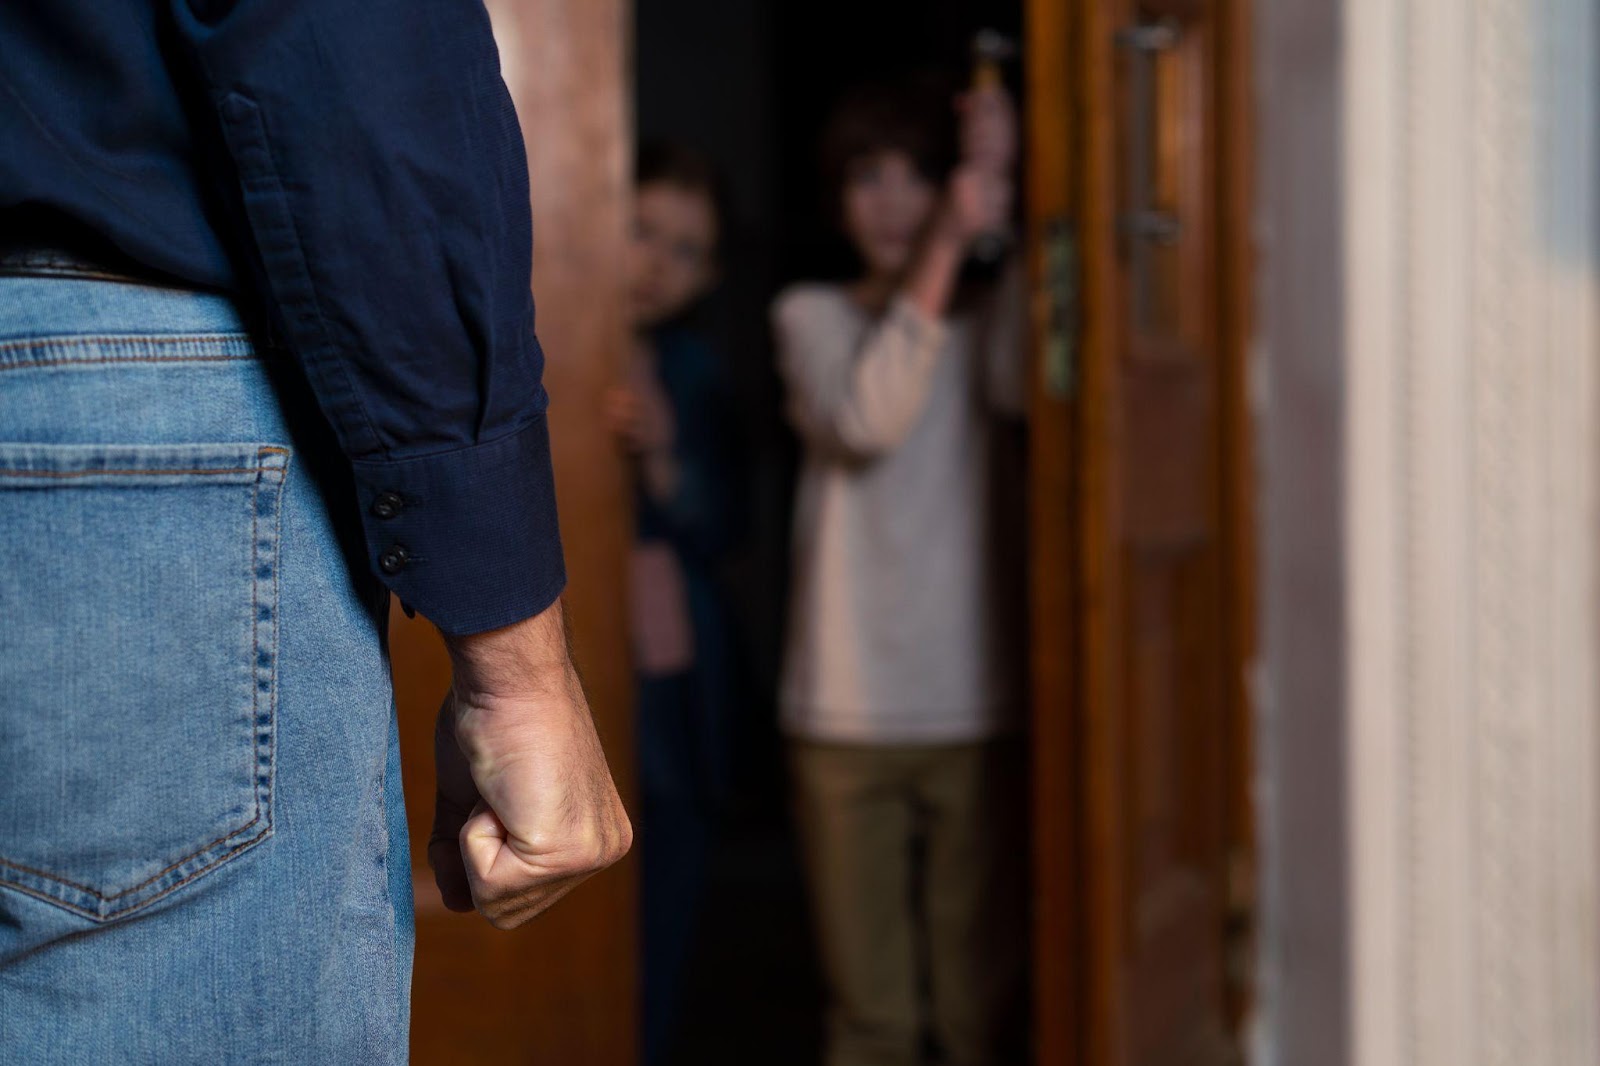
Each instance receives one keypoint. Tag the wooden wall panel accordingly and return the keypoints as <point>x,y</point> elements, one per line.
<point>562,989</point>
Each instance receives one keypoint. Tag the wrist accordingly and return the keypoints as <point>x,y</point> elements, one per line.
<point>512,661</point>
<point>946,235</point>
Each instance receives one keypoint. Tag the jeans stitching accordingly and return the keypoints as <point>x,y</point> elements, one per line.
<point>232,338</point>
<point>36,363</point>
<point>277,476</point>
<point>129,472</point>
<point>277,591</point>
<point>242,846</point>
<point>88,891</point>
<point>255,642</point>
<point>261,453</point>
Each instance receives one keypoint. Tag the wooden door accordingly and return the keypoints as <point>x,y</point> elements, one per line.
<point>562,989</point>
<point>1141,610</point>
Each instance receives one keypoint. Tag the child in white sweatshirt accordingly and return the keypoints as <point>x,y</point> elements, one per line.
<point>899,693</point>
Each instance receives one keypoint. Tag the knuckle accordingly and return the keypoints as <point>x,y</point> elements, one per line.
<point>596,856</point>
<point>598,850</point>
<point>504,922</point>
<point>501,911</point>
<point>622,842</point>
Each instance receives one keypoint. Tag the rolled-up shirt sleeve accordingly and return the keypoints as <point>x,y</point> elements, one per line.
<point>375,170</point>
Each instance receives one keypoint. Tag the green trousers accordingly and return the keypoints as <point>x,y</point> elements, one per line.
<point>916,860</point>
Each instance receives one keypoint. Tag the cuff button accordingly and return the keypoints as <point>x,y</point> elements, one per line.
<point>394,559</point>
<point>387,505</point>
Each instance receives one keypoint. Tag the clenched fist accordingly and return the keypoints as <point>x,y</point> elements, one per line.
<point>526,806</point>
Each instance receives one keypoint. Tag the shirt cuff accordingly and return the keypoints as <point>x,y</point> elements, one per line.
<point>468,537</point>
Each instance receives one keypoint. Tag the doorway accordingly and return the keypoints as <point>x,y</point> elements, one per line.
<point>1137,167</point>
<point>1143,536</point>
<point>752,85</point>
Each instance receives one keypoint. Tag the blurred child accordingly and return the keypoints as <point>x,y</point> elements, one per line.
<point>670,416</point>
<point>899,696</point>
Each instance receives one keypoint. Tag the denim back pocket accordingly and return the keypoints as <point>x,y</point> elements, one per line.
<point>138,647</point>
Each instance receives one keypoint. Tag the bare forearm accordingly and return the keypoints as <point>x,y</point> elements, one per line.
<point>526,805</point>
<point>932,278</point>
<point>508,661</point>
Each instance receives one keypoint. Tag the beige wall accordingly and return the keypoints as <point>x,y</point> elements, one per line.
<point>1463,258</point>
<point>1471,189</point>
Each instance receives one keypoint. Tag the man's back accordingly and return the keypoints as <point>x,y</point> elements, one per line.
<point>95,128</point>
<point>266,358</point>
<point>354,173</point>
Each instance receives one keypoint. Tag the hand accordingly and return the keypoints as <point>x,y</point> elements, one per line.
<point>988,129</point>
<point>526,806</point>
<point>640,423</point>
<point>976,201</point>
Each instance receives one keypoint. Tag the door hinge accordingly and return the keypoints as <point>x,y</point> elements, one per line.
<point>1240,932</point>
<point>1060,366</point>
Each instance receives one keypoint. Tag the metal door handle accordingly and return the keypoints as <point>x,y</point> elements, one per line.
<point>1142,223</point>
<point>1149,36</point>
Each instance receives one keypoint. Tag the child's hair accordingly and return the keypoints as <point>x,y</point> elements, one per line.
<point>912,115</point>
<point>674,163</point>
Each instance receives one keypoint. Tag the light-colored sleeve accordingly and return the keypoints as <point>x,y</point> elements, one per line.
<point>1005,343</point>
<point>854,391</point>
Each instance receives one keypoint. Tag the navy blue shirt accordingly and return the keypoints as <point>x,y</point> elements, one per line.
<point>356,167</point>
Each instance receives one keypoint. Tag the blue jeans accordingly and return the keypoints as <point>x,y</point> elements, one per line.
<point>203,852</point>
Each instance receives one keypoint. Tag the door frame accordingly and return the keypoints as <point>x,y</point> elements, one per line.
<point>1068,47</point>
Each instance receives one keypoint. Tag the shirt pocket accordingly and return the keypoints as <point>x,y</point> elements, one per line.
<point>138,654</point>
